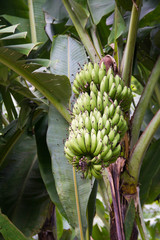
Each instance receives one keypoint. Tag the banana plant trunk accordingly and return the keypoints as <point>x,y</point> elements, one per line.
<point>48,231</point>
<point>119,205</point>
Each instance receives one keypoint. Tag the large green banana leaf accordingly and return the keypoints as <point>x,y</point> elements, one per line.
<point>45,162</point>
<point>63,172</point>
<point>23,196</point>
<point>9,231</point>
<point>64,53</point>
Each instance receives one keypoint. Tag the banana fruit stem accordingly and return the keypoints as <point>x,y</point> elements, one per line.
<point>96,40</point>
<point>134,166</point>
<point>143,103</point>
<point>32,22</point>
<point>127,61</point>
<point>139,219</point>
<point>82,33</point>
<point>77,204</point>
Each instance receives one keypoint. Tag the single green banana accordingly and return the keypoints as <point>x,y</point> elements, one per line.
<point>108,156</point>
<point>107,112</point>
<point>101,74</point>
<point>112,109</point>
<point>98,159</point>
<point>95,173</point>
<point>121,122</point>
<point>98,148</point>
<point>74,124</point>
<point>99,102</point>
<point>75,147</point>
<point>85,114</point>
<point>93,160</point>
<point>103,85</point>
<point>76,109</point>
<point>123,130</point>
<point>91,114</point>
<point>104,119</point>
<point>81,123</point>
<point>93,88</point>
<point>108,126</point>
<point>90,67</point>
<point>93,141</point>
<point>95,77</point>
<point>93,101</point>
<point>115,141</point>
<point>77,117</point>
<point>111,81</point>
<point>88,124</point>
<point>103,66</point>
<point>105,140</point>
<point>115,119</point>
<point>80,141</point>
<point>80,104</point>
<point>86,102</point>
<point>105,150</point>
<point>118,110</point>
<point>116,151</point>
<point>76,84</point>
<point>78,80</point>
<point>99,135</point>
<point>69,158</point>
<point>97,114</point>
<point>115,103</point>
<point>110,71</point>
<point>94,123</point>
<point>93,104</point>
<point>106,79</point>
<point>93,96</point>
<point>97,167</point>
<point>88,76</point>
<point>96,67</point>
<point>118,92</point>
<point>111,134</point>
<point>103,132</point>
<point>112,91</point>
<point>124,93</point>
<point>76,91</point>
<point>115,129</point>
<point>100,123</point>
<point>106,102</point>
<point>82,77</point>
<point>117,80</point>
<point>69,152</point>
<point>87,138</point>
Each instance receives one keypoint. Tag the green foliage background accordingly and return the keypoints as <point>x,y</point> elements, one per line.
<point>35,98</point>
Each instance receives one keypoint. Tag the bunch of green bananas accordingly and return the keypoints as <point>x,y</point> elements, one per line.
<point>98,123</point>
<point>94,78</point>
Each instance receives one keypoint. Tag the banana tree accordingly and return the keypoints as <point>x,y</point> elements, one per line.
<point>91,55</point>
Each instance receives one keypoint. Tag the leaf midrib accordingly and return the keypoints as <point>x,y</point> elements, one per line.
<point>23,186</point>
